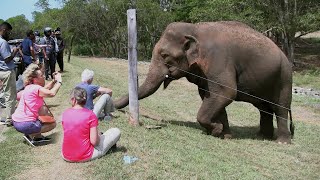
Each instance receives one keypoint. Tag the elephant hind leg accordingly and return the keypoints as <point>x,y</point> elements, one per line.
<point>283,134</point>
<point>266,120</point>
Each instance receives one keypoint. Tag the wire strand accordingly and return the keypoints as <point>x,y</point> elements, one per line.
<point>227,86</point>
<point>234,100</point>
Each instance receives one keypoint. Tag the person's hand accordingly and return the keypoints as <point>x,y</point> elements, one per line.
<point>57,76</point>
<point>15,49</point>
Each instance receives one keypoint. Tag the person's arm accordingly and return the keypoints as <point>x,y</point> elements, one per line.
<point>43,92</point>
<point>32,52</point>
<point>50,84</point>
<point>43,46</point>
<point>62,46</point>
<point>55,86</point>
<point>94,136</point>
<point>13,54</point>
<point>103,90</point>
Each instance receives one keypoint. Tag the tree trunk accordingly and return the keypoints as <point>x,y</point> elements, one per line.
<point>288,48</point>
<point>70,48</point>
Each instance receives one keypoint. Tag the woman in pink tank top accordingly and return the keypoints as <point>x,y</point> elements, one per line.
<point>25,118</point>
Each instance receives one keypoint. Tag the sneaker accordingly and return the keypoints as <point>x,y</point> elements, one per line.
<point>6,122</point>
<point>41,139</point>
<point>107,118</point>
<point>29,140</point>
<point>3,121</point>
<point>101,116</point>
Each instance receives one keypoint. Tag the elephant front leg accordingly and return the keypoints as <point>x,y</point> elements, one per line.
<point>213,117</point>
<point>223,118</point>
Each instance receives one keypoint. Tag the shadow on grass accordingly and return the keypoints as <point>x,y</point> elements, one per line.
<point>238,132</point>
<point>53,105</point>
<point>117,149</point>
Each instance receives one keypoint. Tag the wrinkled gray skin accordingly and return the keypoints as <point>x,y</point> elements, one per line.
<point>228,58</point>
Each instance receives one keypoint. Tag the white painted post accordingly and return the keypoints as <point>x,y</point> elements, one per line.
<point>132,58</point>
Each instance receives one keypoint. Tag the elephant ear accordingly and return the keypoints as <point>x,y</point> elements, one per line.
<point>191,48</point>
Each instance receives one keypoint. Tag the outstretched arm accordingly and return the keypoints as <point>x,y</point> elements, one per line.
<point>103,90</point>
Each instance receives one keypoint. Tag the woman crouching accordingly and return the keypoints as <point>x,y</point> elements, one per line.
<point>31,104</point>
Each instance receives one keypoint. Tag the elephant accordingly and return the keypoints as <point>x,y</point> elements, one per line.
<point>228,61</point>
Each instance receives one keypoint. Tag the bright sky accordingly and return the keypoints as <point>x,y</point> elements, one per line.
<point>12,8</point>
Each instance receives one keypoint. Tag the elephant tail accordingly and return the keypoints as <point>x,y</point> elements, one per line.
<point>291,124</point>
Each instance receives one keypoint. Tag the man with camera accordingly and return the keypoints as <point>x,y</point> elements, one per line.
<point>7,72</point>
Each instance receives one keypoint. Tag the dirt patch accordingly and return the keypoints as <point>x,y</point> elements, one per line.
<point>305,115</point>
<point>50,162</point>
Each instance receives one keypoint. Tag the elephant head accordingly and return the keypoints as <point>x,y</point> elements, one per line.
<point>172,57</point>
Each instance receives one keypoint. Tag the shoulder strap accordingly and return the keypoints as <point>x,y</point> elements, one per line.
<point>30,108</point>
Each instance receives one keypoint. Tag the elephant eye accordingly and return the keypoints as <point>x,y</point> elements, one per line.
<point>164,55</point>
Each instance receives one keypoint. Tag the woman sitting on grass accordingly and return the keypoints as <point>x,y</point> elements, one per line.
<point>81,141</point>
<point>26,116</point>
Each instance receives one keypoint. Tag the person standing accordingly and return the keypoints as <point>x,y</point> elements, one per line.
<point>28,49</point>
<point>38,49</point>
<point>61,46</point>
<point>7,72</point>
<point>49,53</point>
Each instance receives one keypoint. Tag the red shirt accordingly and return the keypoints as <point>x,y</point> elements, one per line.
<point>76,124</point>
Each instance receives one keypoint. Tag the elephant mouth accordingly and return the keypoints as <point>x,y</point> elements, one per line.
<point>167,81</point>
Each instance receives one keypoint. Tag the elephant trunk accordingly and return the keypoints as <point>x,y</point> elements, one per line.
<point>156,75</point>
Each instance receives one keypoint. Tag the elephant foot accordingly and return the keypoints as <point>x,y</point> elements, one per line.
<point>283,140</point>
<point>217,129</point>
<point>227,136</point>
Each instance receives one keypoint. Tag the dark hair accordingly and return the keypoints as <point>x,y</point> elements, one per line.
<point>29,33</point>
<point>5,25</point>
<point>80,95</point>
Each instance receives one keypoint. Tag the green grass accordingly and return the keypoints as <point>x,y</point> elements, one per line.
<point>307,78</point>
<point>180,149</point>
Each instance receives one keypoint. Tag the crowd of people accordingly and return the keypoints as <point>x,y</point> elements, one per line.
<point>82,140</point>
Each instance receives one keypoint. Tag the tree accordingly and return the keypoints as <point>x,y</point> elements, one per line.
<point>283,18</point>
<point>20,26</point>
<point>287,17</point>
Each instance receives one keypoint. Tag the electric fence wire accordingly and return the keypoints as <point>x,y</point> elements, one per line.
<point>212,81</point>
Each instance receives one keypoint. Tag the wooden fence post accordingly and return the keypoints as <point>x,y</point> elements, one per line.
<point>132,58</point>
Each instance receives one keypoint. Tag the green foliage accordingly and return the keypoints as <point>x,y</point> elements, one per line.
<point>151,22</point>
<point>308,78</point>
<point>20,26</point>
<point>103,23</point>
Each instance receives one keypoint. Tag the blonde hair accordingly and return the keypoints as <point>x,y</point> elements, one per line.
<point>30,73</point>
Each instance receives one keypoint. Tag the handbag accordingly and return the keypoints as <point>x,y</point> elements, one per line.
<point>45,115</point>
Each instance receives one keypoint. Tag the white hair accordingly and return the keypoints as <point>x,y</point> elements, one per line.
<point>87,75</point>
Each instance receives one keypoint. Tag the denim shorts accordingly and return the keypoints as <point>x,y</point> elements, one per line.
<point>28,127</point>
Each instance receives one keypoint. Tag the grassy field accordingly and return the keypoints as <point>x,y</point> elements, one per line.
<point>180,149</point>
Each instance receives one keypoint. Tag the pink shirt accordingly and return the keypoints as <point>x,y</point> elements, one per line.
<point>76,145</point>
<point>29,104</point>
